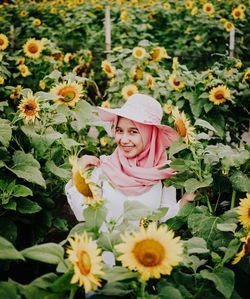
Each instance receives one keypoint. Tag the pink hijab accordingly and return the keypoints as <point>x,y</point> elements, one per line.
<point>137,175</point>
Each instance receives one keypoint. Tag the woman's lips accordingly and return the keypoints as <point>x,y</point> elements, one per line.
<point>127,148</point>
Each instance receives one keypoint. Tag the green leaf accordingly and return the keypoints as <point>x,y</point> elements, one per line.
<point>134,210</point>
<point>171,292</point>
<point>5,134</point>
<point>191,185</point>
<point>57,171</point>
<point>231,250</point>
<point>223,278</point>
<point>62,283</point>
<point>178,164</point>
<point>95,216</point>
<point>27,206</point>
<point>61,224</point>
<point>240,181</point>
<point>196,245</point>
<point>8,251</point>
<point>50,253</point>
<point>227,227</point>
<point>8,229</point>
<point>117,273</point>
<point>8,291</point>
<point>158,214</point>
<point>204,124</point>
<point>21,191</point>
<point>115,289</point>
<point>176,146</point>
<point>107,241</point>
<point>193,261</point>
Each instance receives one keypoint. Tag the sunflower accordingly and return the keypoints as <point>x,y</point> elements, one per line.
<point>33,48</point>
<point>1,80</point>
<point>166,5</point>
<point>42,84</point>
<point>182,126</point>
<point>60,2</point>
<point>29,108</point>
<point>208,8</point>
<point>124,15</point>
<point>189,4</point>
<point>20,60</point>
<point>80,1</point>
<point>105,104</point>
<point>150,80</point>
<point>245,248</point>
<point>103,141</point>
<point>167,108</point>
<point>15,92</point>
<point>84,255</point>
<point>4,42</point>
<point>237,13</point>
<point>67,57</point>
<point>36,22</point>
<point>194,11</point>
<point>70,93</point>
<point>139,52</point>
<point>228,26</point>
<point>174,83</point>
<point>246,75</point>
<point>244,211</point>
<point>53,10</point>
<point>24,70</point>
<point>175,63</point>
<point>1,57</point>
<point>158,53</point>
<point>219,94</point>
<point>242,7</point>
<point>137,73</point>
<point>108,68</point>
<point>81,179</point>
<point>150,251</point>
<point>129,90</point>
<point>23,13</point>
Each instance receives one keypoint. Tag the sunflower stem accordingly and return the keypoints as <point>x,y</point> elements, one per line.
<point>233,199</point>
<point>209,204</point>
<point>73,290</point>
<point>143,285</point>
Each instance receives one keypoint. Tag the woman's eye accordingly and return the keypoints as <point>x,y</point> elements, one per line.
<point>134,131</point>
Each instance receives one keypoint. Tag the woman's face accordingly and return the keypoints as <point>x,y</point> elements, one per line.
<point>128,138</point>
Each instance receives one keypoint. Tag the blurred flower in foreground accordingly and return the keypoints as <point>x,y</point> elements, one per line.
<point>105,104</point>
<point>29,108</point>
<point>84,255</point>
<point>219,94</point>
<point>245,248</point>
<point>4,42</point>
<point>152,251</point>
<point>70,93</point>
<point>182,126</point>
<point>129,90</point>
<point>244,211</point>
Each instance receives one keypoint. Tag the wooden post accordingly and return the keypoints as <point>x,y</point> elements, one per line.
<point>107,31</point>
<point>12,37</point>
<point>231,42</point>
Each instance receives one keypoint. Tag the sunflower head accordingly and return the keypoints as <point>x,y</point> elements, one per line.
<point>245,248</point>
<point>33,48</point>
<point>177,85</point>
<point>4,42</point>
<point>228,26</point>
<point>166,5</point>
<point>219,94</point>
<point>24,70</point>
<point>189,4</point>
<point>23,13</point>
<point>158,53</point>
<point>238,13</point>
<point>29,108</point>
<point>244,211</point>
<point>85,257</point>
<point>129,90</point>
<point>194,11</point>
<point>150,80</point>
<point>152,251</point>
<point>108,68</point>
<point>105,104</point>
<point>36,22</point>
<point>69,93</point>
<point>137,73</point>
<point>208,8</point>
<point>139,52</point>
<point>246,75</point>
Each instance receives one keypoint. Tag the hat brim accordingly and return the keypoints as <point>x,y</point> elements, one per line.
<point>107,114</point>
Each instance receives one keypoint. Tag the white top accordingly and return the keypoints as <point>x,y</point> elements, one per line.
<point>157,197</point>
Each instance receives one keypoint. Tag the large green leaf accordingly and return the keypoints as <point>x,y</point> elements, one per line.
<point>240,181</point>
<point>27,206</point>
<point>223,278</point>
<point>8,290</point>
<point>117,273</point>
<point>8,251</point>
<point>60,172</point>
<point>134,210</point>
<point>5,133</point>
<point>196,245</point>
<point>21,191</point>
<point>191,185</point>
<point>107,241</point>
<point>95,216</point>
<point>50,253</point>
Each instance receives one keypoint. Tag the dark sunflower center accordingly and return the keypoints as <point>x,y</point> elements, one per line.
<point>108,69</point>
<point>176,83</point>
<point>33,48</point>
<point>237,14</point>
<point>208,8</point>
<point>130,93</point>
<point>219,95</point>
<point>149,252</point>
<point>1,42</point>
<point>84,262</point>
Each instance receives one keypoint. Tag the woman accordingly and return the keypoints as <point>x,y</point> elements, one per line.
<point>136,168</point>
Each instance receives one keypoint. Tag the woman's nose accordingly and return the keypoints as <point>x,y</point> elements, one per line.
<point>124,138</point>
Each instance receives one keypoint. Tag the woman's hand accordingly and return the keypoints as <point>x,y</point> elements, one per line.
<point>187,198</point>
<point>87,161</point>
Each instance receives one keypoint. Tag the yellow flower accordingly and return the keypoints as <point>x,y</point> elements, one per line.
<point>245,248</point>
<point>244,211</point>
<point>124,15</point>
<point>194,11</point>
<point>150,80</point>
<point>60,2</point>
<point>29,108</point>
<point>238,14</point>
<point>187,29</point>
<point>103,141</point>
<point>1,80</point>
<point>139,52</point>
<point>208,8</point>
<point>119,48</point>
<point>246,75</point>
<point>23,13</point>
<point>53,10</point>
<point>175,63</point>
<point>137,73</point>
<point>42,84</point>
<point>166,5</point>
<point>98,6</point>
<point>4,42</point>
<point>242,7</point>
<point>177,85</point>
<point>158,53</point>
<point>20,60</point>
<point>228,26</point>
<point>70,93</point>
<point>33,48</point>
<point>238,65</point>
<point>182,126</point>
<point>81,179</point>
<point>1,57</point>
<point>105,104</point>
<point>189,4</point>
<point>219,94</point>
<point>36,22</point>
<point>24,70</point>
<point>167,108</point>
<point>15,92</point>
<point>129,90</point>
<point>84,255</point>
<point>150,251</point>
<point>108,68</point>
<point>67,57</point>
<point>80,1</point>
<point>197,37</point>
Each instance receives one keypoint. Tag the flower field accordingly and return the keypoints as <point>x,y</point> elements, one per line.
<point>54,71</point>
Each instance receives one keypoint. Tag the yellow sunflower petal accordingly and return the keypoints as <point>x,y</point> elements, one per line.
<point>219,94</point>
<point>129,90</point>
<point>33,48</point>
<point>29,108</point>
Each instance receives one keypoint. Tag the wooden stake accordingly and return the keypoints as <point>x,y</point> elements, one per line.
<point>107,31</point>
<point>12,36</point>
<point>231,42</point>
